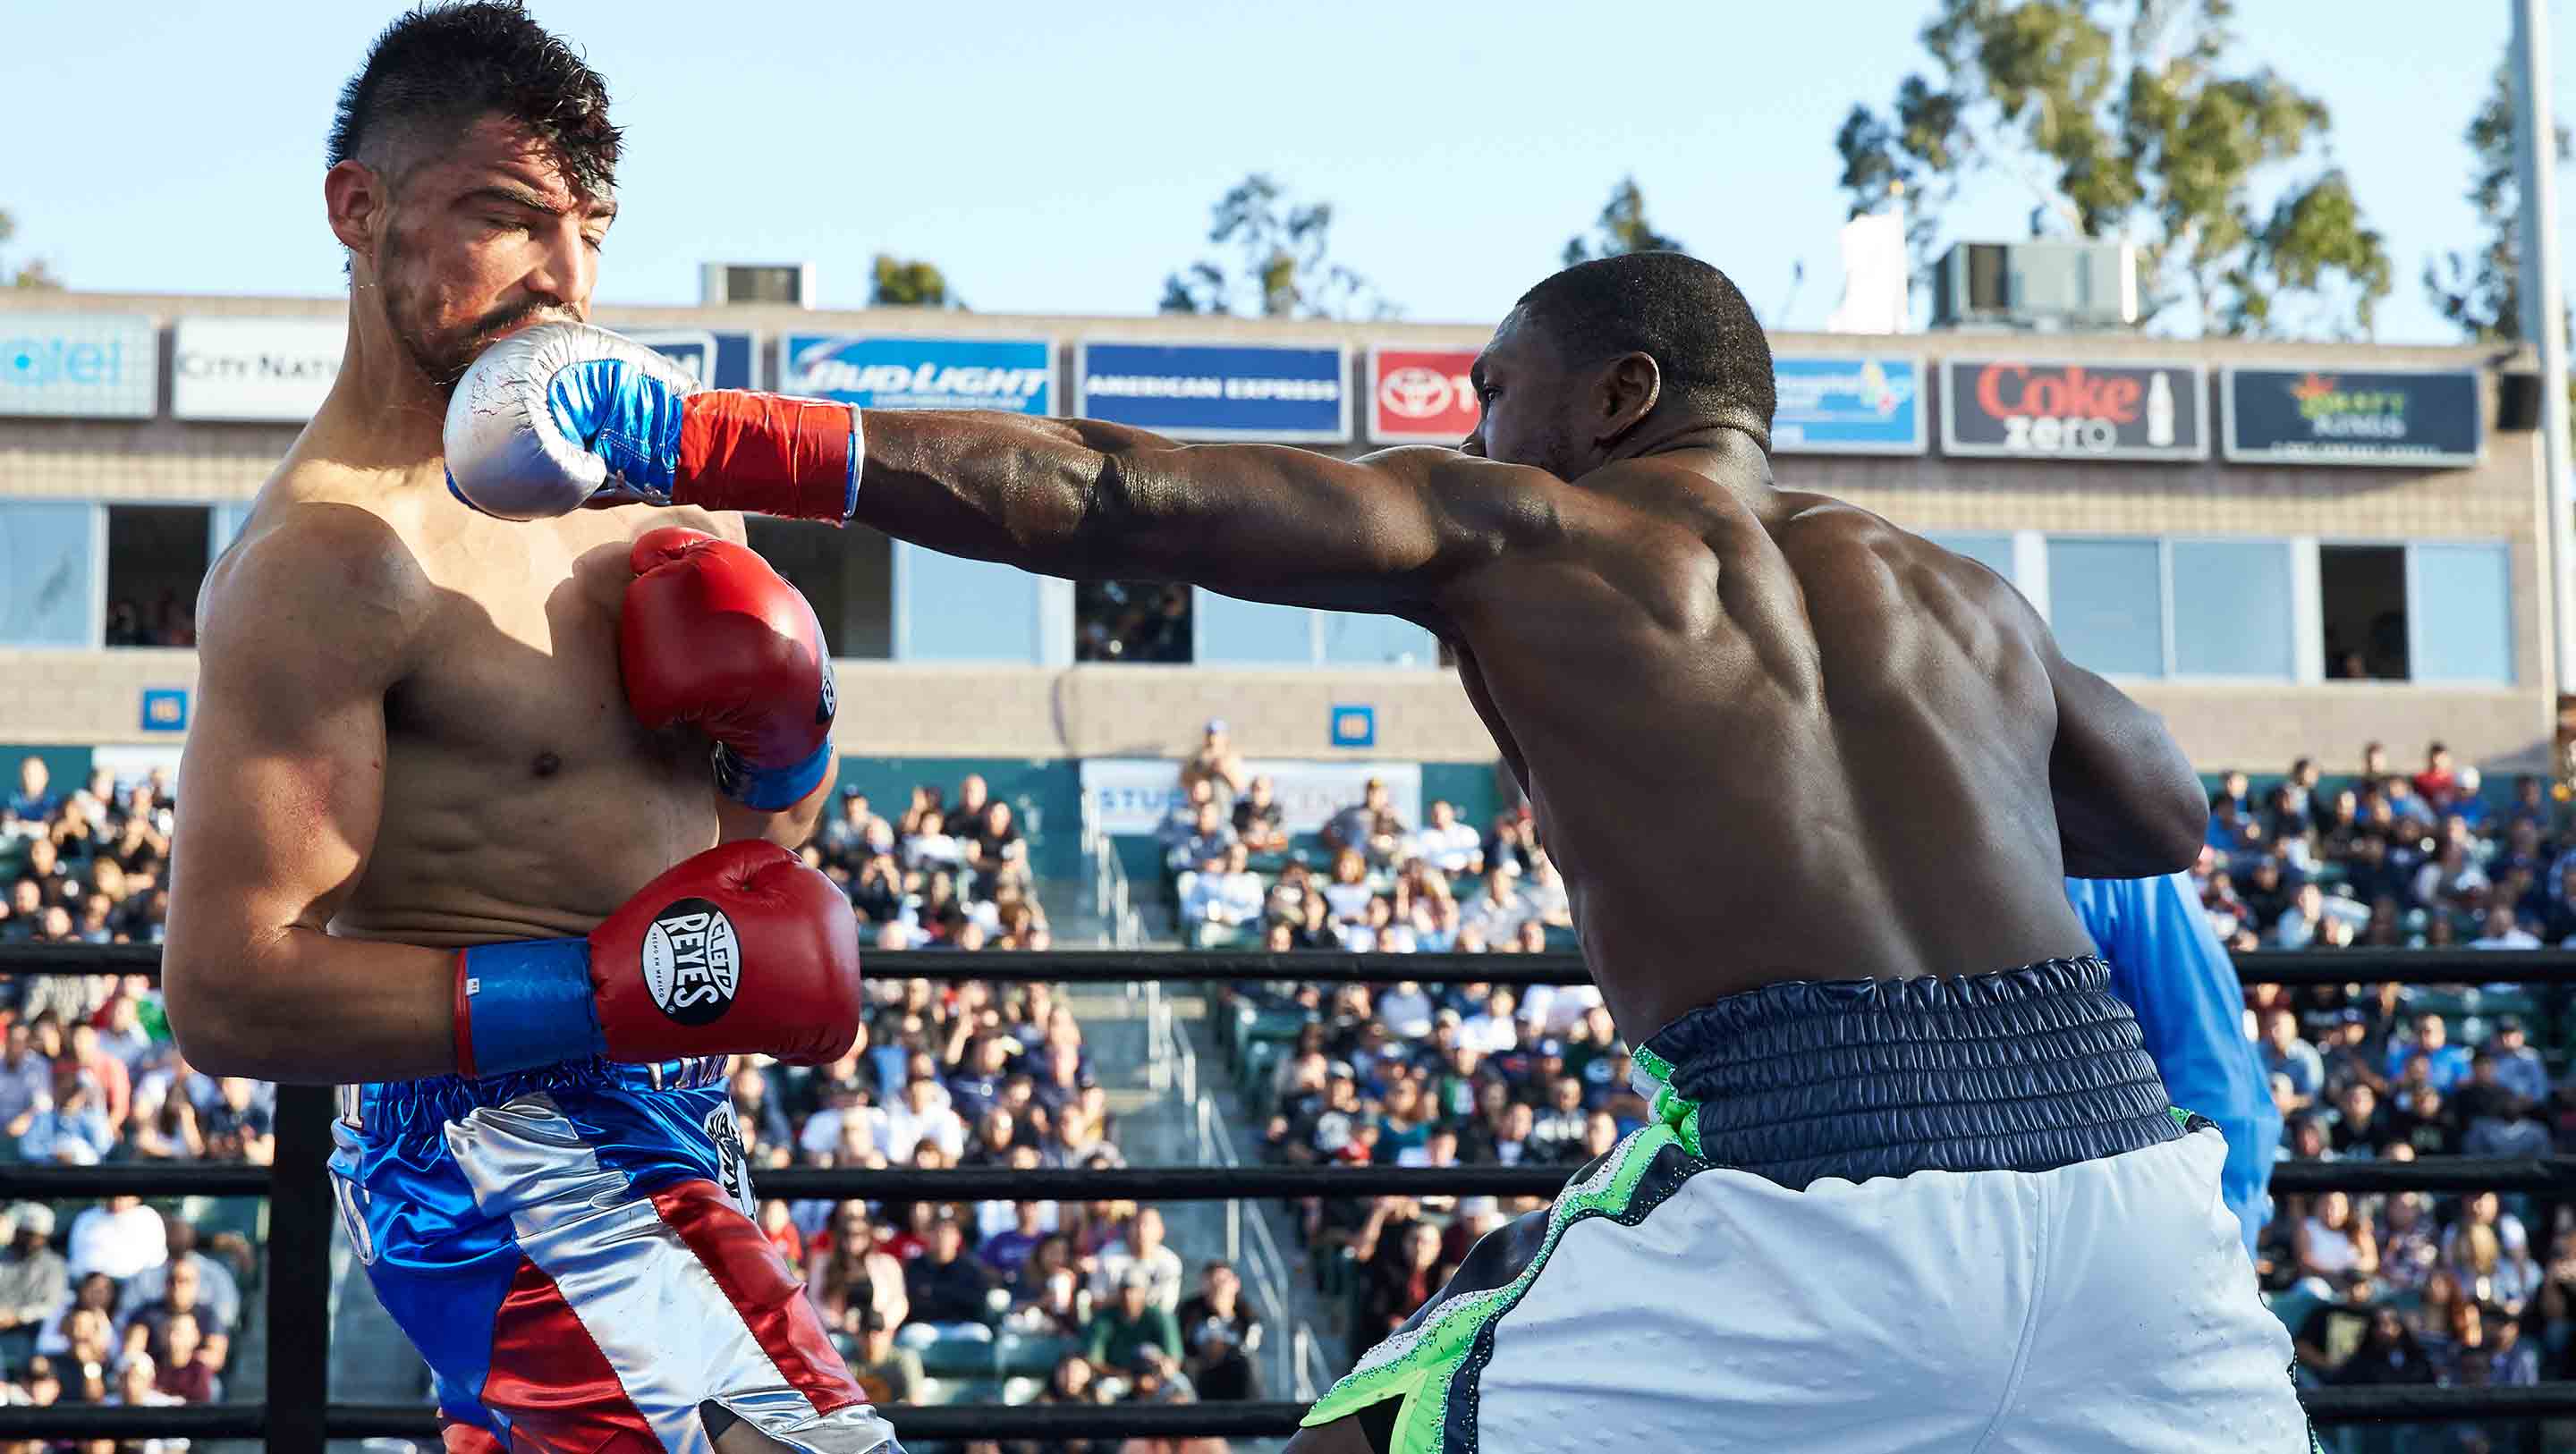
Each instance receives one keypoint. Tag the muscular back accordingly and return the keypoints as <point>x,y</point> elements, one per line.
<point>1769,736</point>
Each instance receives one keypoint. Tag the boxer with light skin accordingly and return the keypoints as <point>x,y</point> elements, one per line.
<point>499,822</point>
<point>1885,1069</point>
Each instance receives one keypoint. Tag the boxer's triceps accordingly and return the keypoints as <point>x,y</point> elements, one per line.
<point>1074,497</point>
<point>293,664</point>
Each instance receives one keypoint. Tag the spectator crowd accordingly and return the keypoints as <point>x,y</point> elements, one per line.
<point>1083,1302</point>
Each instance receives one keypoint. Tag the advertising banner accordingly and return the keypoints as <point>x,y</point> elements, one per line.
<point>2328,416</point>
<point>717,359</point>
<point>79,365</point>
<point>2029,408</point>
<point>1421,395</point>
<point>1849,405</point>
<point>1216,391</point>
<point>260,370</point>
<point>1014,375</point>
<point>1131,795</point>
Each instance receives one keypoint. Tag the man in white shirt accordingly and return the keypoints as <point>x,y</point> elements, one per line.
<point>924,1115</point>
<point>1141,1250</point>
<point>2503,933</point>
<point>1406,1011</point>
<point>1492,1032</point>
<point>1496,913</point>
<point>1227,892</point>
<point>1449,845</point>
<point>120,1239</point>
<point>822,1133</point>
<point>932,847</point>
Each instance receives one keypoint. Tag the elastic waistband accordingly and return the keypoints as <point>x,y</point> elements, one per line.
<point>2025,1069</point>
<point>451,1097</point>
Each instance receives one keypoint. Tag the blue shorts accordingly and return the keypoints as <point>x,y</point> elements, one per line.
<point>572,1249</point>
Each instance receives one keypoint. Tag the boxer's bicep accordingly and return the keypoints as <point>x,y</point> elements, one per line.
<point>285,767</point>
<point>1292,526</point>
<point>2128,802</point>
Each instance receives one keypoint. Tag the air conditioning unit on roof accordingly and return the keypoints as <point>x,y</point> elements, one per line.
<point>2051,284</point>
<point>790,283</point>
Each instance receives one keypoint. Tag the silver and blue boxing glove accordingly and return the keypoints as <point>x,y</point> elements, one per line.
<point>563,415</point>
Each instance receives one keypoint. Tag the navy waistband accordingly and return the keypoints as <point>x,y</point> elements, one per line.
<point>2026,1069</point>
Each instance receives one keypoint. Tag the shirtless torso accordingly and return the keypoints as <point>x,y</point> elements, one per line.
<point>429,700</point>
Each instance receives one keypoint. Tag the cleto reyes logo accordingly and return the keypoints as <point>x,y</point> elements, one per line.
<point>692,962</point>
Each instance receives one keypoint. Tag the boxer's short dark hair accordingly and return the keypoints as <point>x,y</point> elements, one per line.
<point>440,68</point>
<point>1687,316</point>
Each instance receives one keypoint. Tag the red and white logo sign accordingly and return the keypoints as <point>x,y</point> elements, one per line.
<point>1421,396</point>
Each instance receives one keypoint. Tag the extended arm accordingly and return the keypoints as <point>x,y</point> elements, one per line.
<point>1076,497</point>
<point>293,668</point>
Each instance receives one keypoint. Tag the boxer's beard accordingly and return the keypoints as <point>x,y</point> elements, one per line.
<point>443,354</point>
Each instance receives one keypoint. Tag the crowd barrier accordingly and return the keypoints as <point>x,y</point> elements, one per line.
<point>296,1415</point>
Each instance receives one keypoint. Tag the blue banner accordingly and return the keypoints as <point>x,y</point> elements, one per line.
<point>1854,405</point>
<point>717,360</point>
<point>1217,391</point>
<point>1015,375</point>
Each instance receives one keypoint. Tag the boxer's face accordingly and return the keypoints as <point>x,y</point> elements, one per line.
<point>467,242</point>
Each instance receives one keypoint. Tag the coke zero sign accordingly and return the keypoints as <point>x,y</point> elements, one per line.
<point>2020,408</point>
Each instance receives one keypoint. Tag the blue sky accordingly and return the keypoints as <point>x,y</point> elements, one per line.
<point>1058,158</point>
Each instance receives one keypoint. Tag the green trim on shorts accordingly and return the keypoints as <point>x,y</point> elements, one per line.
<point>1419,1364</point>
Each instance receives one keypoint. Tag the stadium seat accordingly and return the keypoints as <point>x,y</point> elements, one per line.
<point>958,1357</point>
<point>1024,1355</point>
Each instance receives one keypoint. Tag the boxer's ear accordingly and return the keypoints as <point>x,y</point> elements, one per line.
<point>1628,391</point>
<point>358,203</point>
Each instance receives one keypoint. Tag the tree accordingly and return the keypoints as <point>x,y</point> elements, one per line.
<point>1621,227</point>
<point>2481,291</point>
<point>2125,121</point>
<point>1285,271</point>
<point>33,273</point>
<point>915,284</point>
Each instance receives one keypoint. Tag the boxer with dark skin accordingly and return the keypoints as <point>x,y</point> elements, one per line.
<point>1653,630</point>
<point>1897,760</point>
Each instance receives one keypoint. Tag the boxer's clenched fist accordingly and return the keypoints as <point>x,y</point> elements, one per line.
<point>712,637</point>
<point>563,415</point>
<point>741,949</point>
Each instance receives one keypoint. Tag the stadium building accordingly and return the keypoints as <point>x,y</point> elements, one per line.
<point>2285,548</point>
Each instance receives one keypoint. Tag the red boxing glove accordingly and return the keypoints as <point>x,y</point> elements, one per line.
<point>712,637</point>
<point>738,950</point>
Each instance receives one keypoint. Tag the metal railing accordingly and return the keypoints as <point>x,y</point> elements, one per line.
<point>296,1415</point>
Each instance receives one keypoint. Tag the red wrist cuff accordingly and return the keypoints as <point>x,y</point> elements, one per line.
<point>768,454</point>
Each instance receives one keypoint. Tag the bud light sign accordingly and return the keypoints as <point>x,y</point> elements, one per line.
<point>2038,409</point>
<point>1014,375</point>
<point>1421,396</point>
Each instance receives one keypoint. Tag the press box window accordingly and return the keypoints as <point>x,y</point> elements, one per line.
<point>2232,613</point>
<point>48,574</point>
<point>2426,612</point>
<point>156,560</point>
<point>2106,605</point>
<point>2361,596</point>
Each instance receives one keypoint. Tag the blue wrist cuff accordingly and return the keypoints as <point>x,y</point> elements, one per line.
<point>528,1004</point>
<point>774,788</point>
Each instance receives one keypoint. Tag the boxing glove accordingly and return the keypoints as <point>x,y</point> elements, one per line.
<point>738,950</point>
<point>563,415</point>
<point>712,637</point>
